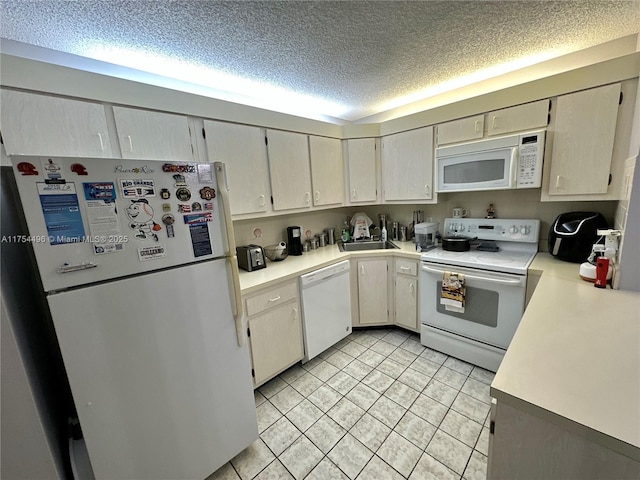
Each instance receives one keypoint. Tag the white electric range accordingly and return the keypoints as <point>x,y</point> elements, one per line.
<point>495,277</point>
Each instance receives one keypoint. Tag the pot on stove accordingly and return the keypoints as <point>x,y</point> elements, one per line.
<point>457,243</point>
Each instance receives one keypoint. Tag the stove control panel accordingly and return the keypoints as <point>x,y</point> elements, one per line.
<point>509,230</point>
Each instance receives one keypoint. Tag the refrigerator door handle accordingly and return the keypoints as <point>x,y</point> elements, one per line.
<point>236,305</point>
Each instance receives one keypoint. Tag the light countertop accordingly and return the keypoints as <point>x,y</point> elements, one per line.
<point>294,266</point>
<point>575,358</point>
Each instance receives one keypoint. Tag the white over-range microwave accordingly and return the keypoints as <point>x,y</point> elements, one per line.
<point>509,162</point>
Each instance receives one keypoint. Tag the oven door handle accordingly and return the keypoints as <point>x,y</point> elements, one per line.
<point>500,281</point>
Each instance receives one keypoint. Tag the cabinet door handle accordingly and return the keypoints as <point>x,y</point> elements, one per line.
<point>361,269</point>
<point>427,190</point>
<point>354,194</point>
<point>295,313</point>
<point>317,196</point>
<point>275,299</point>
<point>307,197</point>
<point>412,288</point>
<point>558,182</point>
<point>405,268</point>
<point>494,122</point>
<point>262,200</point>
<point>101,142</point>
<point>130,143</point>
<point>477,126</point>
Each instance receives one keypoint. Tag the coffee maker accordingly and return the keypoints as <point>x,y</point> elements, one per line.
<point>294,240</point>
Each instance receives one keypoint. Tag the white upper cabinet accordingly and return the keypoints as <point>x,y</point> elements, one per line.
<point>242,149</point>
<point>519,118</point>
<point>289,169</point>
<point>360,155</point>
<point>327,170</point>
<point>528,116</point>
<point>43,125</point>
<point>407,165</point>
<point>144,134</point>
<point>470,128</point>
<point>584,130</point>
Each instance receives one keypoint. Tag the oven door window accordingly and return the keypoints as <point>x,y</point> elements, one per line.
<point>494,303</point>
<point>481,306</point>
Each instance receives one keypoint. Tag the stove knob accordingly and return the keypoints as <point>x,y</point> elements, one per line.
<point>524,230</point>
<point>513,230</point>
<point>461,228</point>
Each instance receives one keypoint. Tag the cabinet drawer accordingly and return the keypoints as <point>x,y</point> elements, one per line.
<point>272,297</point>
<point>406,267</point>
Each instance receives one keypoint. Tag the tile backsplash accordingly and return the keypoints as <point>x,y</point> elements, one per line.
<point>507,204</point>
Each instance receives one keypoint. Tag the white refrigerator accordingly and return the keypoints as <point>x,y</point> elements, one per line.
<point>137,262</point>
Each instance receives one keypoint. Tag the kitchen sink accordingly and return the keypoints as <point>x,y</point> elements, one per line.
<point>366,245</point>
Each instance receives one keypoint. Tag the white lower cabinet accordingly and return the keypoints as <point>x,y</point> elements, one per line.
<point>406,294</point>
<point>524,446</point>
<point>373,291</point>
<point>274,329</point>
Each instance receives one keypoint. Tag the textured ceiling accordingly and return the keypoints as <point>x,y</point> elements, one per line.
<point>357,58</point>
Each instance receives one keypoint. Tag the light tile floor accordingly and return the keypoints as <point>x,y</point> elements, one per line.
<point>378,405</point>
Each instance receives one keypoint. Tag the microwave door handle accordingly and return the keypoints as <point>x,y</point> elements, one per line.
<point>514,167</point>
<point>499,281</point>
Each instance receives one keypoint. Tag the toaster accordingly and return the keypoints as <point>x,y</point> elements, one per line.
<point>251,257</point>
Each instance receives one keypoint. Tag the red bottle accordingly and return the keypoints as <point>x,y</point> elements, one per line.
<point>602,268</point>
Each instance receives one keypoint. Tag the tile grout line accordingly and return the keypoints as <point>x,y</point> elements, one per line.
<point>395,378</point>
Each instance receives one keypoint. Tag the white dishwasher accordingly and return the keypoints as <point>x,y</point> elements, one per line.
<point>326,308</point>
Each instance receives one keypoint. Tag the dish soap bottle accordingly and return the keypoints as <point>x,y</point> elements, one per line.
<point>346,236</point>
<point>383,233</point>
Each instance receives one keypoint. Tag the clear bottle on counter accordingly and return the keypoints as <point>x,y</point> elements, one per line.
<point>383,233</point>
